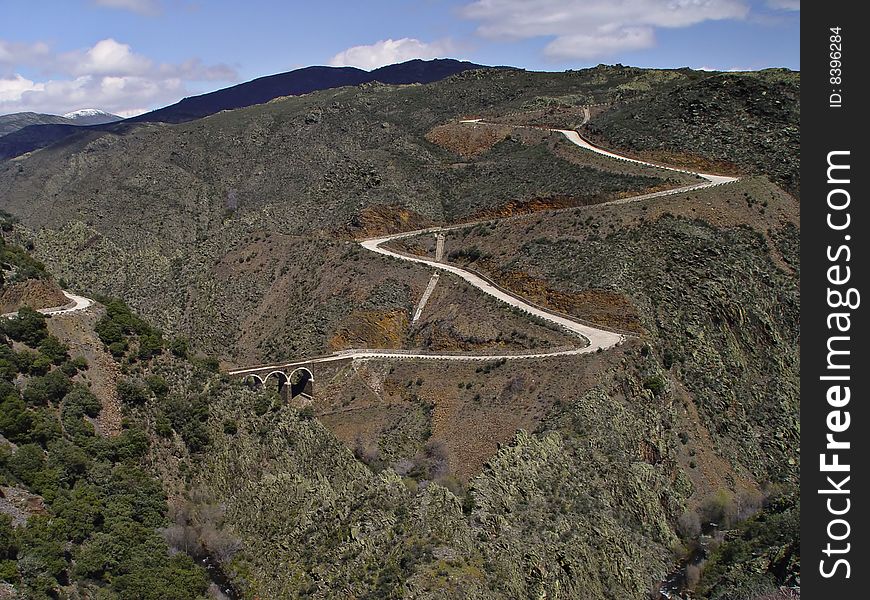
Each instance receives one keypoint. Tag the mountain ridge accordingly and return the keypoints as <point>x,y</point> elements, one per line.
<point>257,91</point>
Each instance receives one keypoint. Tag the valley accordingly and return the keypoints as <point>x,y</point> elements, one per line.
<point>608,356</point>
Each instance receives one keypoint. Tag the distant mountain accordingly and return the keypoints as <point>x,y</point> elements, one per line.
<point>91,116</point>
<point>86,116</point>
<point>303,81</point>
<point>257,91</point>
<point>16,121</point>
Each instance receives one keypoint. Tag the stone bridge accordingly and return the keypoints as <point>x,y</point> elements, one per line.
<point>292,379</point>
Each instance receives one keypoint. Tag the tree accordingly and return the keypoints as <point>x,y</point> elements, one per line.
<point>179,347</point>
<point>28,327</point>
<point>27,462</point>
<point>50,388</point>
<point>131,393</point>
<point>54,349</point>
<point>15,420</point>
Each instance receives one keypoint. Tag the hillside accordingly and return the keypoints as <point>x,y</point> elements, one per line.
<point>750,120</point>
<point>299,82</point>
<point>89,116</point>
<point>26,138</point>
<point>15,121</point>
<point>234,236</point>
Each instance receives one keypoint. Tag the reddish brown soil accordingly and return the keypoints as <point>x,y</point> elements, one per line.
<point>35,293</point>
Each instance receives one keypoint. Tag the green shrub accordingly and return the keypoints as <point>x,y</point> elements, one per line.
<point>83,398</point>
<point>150,345</point>
<point>209,363</point>
<point>74,423</point>
<point>131,393</point>
<point>8,539</point>
<point>70,461</point>
<point>26,463</point>
<point>8,369</point>
<point>15,420</point>
<point>179,347</point>
<point>163,427</point>
<point>131,445</point>
<point>73,366</point>
<point>656,384</point>
<point>44,427</point>
<point>28,327</point>
<point>158,385</point>
<point>50,388</point>
<point>54,349</point>
<point>188,417</point>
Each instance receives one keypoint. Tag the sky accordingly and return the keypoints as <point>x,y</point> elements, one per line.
<point>131,56</point>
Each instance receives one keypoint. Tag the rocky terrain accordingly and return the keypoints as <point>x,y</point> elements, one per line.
<point>594,476</point>
<point>748,120</point>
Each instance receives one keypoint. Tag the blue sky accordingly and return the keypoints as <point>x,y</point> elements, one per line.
<point>128,56</point>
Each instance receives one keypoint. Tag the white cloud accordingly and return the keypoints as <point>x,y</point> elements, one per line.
<point>591,28</point>
<point>388,52</point>
<point>109,76</point>
<point>601,43</point>
<point>107,57</point>
<point>13,54</point>
<point>12,89</point>
<point>142,7</point>
<point>725,70</point>
<point>784,4</point>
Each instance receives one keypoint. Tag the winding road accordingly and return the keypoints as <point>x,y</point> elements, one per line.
<point>75,304</point>
<point>595,338</point>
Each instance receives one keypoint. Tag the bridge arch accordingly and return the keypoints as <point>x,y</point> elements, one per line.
<point>280,377</point>
<point>253,380</point>
<point>301,382</point>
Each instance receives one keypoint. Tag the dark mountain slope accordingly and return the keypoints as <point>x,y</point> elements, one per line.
<point>302,81</point>
<point>258,91</point>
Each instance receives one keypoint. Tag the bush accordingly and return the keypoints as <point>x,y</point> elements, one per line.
<point>27,462</point>
<point>131,445</point>
<point>720,509</point>
<point>15,420</point>
<point>44,427</point>
<point>83,398</point>
<point>73,366</point>
<point>8,540</point>
<point>119,324</point>
<point>74,423</point>
<point>28,328</point>
<point>656,384</point>
<point>8,369</point>
<point>69,460</point>
<point>179,347</point>
<point>158,385</point>
<point>162,427</point>
<point>188,417</point>
<point>150,345</point>
<point>689,525</point>
<point>54,349</point>
<point>50,388</point>
<point>209,363</point>
<point>131,393</point>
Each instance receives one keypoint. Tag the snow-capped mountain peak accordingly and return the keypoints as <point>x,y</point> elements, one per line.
<point>91,116</point>
<point>85,112</point>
